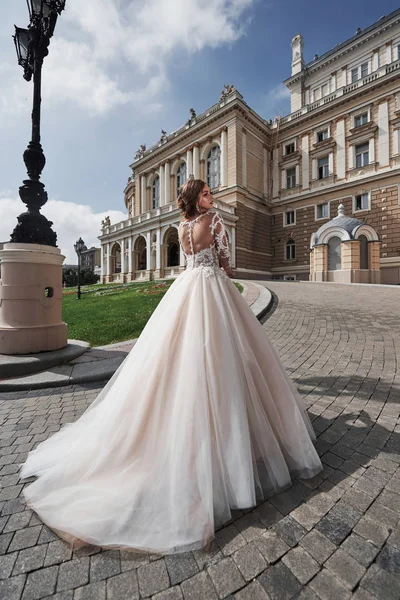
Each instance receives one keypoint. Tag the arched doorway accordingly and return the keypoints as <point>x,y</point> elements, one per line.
<point>334,254</point>
<point>141,254</point>
<point>363,252</point>
<point>115,258</point>
<point>172,244</point>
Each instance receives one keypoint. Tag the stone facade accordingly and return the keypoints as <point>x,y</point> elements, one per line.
<point>276,182</point>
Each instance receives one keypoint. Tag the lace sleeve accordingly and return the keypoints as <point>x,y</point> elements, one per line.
<point>221,243</point>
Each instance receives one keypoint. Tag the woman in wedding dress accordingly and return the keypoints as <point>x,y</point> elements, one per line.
<point>199,419</point>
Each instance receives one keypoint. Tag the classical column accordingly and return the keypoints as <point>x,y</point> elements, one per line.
<point>340,149</point>
<point>265,170</point>
<point>383,134</point>
<point>330,165</point>
<point>108,260</point>
<point>305,162</point>
<point>162,185</point>
<point>333,82</point>
<point>224,158</point>
<point>102,263</point>
<point>130,254</point>
<point>375,59</point>
<point>203,174</point>
<point>388,53</point>
<point>189,163</point>
<point>372,150</point>
<point>244,158</point>
<point>158,249</point>
<point>143,193</point>
<point>122,245</point>
<point>148,251</point>
<point>167,183</point>
<point>196,161</point>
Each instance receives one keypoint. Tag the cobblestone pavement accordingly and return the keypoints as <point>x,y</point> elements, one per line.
<point>334,537</point>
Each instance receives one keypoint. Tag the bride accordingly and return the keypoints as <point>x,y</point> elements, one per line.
<point>199,419</point>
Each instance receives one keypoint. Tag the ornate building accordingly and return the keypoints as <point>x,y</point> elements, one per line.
<point>276,183</point>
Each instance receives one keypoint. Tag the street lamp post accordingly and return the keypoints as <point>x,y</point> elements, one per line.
<point>79,247</point>
<point>32,47</point>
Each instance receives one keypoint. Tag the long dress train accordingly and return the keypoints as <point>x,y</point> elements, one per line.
<point>200,419</point>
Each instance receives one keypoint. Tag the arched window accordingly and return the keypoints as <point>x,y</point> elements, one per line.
<point>155,192</point>
<point>173,255</point>
<point>141,254</point>
<point>180,177</point>
<point>363,252</point>
<point>334,254</point>
<point>213,167</point>
<point>290,250</point>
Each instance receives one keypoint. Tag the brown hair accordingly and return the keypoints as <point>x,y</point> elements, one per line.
<point>188,196</point>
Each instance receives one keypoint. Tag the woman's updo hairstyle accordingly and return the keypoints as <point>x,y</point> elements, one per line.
<point>188,197</point>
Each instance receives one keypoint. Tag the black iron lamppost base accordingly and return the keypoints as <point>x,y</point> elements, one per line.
<point>33,227</point>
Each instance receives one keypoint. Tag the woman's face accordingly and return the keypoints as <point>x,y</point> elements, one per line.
<point>206,200</point>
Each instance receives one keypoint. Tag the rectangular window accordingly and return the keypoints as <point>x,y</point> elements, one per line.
<point>322,135</point>
<point>362,155</point>
<point>322,211</point>
<point>325,90</point>
<point>323,167</point>
<point>361,119</point>
<point>289,217</point>
<point>290,250</point>
<point>290,148</point>
<point>362,202</point>
<point>291,178</point>
<point>359,72</point>
<point>317,94</point>
<point>364,70</point>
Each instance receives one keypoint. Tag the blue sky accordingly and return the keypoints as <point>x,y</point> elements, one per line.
<point>119,71</point>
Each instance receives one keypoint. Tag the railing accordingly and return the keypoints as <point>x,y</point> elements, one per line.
<point>347,89</point>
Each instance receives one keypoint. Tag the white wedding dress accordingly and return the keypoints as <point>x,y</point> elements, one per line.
<point>200,419</point>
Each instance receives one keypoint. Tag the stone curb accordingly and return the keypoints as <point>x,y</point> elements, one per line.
<point>102,370</point>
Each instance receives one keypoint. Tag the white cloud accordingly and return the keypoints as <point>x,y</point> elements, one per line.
<point>71,221</point>
<point>111,52</point>
<point>276,102</point>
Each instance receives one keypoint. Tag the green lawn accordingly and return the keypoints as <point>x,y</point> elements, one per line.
<point>112,313</point>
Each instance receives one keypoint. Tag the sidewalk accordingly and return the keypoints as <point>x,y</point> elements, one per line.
<point>100,363</point>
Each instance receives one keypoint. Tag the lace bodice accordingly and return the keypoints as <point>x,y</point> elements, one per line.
<point>215,252</point>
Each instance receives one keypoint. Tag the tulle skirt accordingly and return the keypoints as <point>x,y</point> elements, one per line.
<point>199,419</point>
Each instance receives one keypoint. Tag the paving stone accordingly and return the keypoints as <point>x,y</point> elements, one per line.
<point>57,552</point>
<point>131,560</point>
<point>253,591</point>
<point>11,589</point>
<point>301,564</point>
<point>211,556</point>
<point>327,587</point>
<point>40,583</point>
<point>86,551</point>
<point>306,516</point>
<point>334,528</point>
<point>153,578</point>
<point>389,559</point>
<point>345,568</point>
<point>199,587</point>
<point>390,500</point>
<point>104,565</point>
<point>173,593</point>
<point>307,594</point>
<point>249,527</point>
<point>320,504</point>
<point>93,591</point>
<point>46,536</point>
<point>250,561</point>
<point>13,506</point>
<point>229,540</point>
<point>381,514</point>
<point>271,546</point>
<point>360,549</point>
<point>30,559</point>
<point>7,563</point>
<point>372,531</point>
<point>226,577</point>
<point>381,584</point>
<point>181,567</point>
<point>319,546</point>
<point>267,514</point>
<point>5,540</point>
<point>73,574</point>
<point>61,596</point>
<point>290,531</point>
<point>25,538</point>
<point>279,582</point>
<point>357,499</point>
